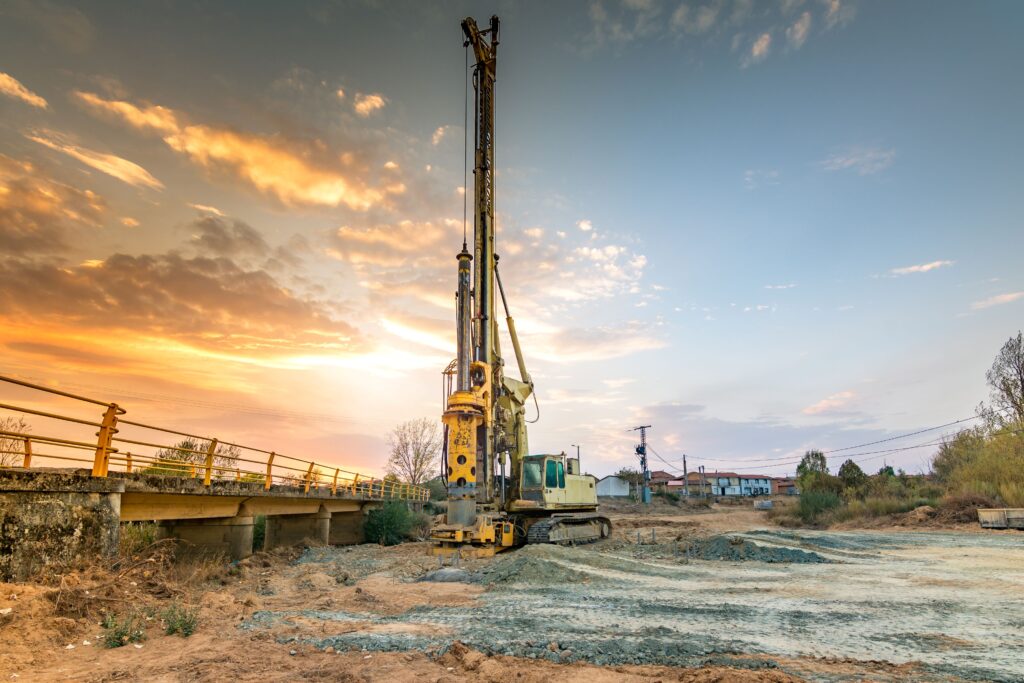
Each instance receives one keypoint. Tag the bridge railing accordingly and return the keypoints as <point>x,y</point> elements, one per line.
<point>113,443</point>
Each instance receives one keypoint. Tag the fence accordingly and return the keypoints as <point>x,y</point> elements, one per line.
<point>122,445</point>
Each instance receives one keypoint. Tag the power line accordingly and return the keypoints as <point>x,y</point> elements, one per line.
<point>784,459</point>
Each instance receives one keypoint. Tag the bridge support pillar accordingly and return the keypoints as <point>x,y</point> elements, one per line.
<point>54,520</point>
<point>231,536</point>
<point>286,530</point>
<point>347,528</point>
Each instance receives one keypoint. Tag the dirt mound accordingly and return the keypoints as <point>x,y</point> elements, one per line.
<point>962,509</point>
<point>737,549</point>
<point>533,564</point>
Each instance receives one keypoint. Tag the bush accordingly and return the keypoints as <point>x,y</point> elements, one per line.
<point>814,503</point>
<point>124,629</point>
<point>668,496</point>
<point>136,537</point>
<point>180,619</point>
<point>390,524</point>
<point>259,531</point>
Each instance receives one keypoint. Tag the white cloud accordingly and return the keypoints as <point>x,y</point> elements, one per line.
<point>921,268</point>
<point>997,300</point>
<point>829,404</point>
<point>368,104</point>
<point>791,285</point>
<point>754,178</point>
<point>12,87</point>
<point>837,13</point>
<point>863,160</point>
<point>759,49</point>
<point>585,225</point>
<point>207,209</point>
<point>798,32</point>
<point>438,135</point>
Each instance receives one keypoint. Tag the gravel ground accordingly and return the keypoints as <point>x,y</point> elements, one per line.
<point>951,602</point>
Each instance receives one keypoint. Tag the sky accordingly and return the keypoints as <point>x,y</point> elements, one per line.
<point>758,227</point>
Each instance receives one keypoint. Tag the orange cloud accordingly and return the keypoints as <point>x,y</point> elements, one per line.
<point>114,166</point>
<point>831,403</point>
<point>209,305</point>
<point>268,164</point>
<point>12,87</point>
<point>38,213</point>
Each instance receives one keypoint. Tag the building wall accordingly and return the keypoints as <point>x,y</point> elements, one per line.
<point>613,487</point>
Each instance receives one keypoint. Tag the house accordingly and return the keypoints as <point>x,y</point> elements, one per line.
<point>784,486</point>
<point>661,478</point>
<point>733,484</point>
<point>612,487</point>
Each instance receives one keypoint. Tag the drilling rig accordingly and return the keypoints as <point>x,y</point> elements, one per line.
<point>499,496</point>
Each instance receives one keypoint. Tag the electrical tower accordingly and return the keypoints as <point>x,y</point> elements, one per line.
<point>645,472</point>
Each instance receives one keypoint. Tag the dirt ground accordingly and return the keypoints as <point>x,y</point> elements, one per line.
<point>676,595</point>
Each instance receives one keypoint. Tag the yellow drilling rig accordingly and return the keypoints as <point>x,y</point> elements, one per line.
<point>538,498</point>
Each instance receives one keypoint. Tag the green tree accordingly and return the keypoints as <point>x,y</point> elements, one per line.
<point>634,477</point>
<point>886,471</point>
<point>852,475</point>
<point>1006,383</point>
<point>179,459</point>
<point>812,474</point>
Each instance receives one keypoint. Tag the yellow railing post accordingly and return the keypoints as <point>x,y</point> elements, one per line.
<point>210,450</point>
<point>108,427</point>
<point>309,477</point>
<point>355,481</point>
<point>128,463</point>
<point>334,484</point>
<point>238,474</point>
<point>28,453</point>
<point>270,477</point>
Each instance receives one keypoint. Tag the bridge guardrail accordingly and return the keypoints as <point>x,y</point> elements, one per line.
<point>128,446</point>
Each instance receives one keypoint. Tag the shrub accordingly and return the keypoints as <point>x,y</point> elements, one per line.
<point>814,503</point>
<point>390,524</point>
<point>259,531</point>
<point>180,619</point>
<point>124,629</point>
<point>668,496</point>
<point>136,537</point>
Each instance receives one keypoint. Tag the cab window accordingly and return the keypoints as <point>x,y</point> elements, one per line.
<point>551,475</point>
<point>561,476</point>
<point>531,474</point>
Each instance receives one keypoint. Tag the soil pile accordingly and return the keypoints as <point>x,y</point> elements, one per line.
<point>737,550</point>
<point>533,564</point>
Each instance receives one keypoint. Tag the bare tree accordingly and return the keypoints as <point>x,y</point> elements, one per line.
<point>1006,382</point>
<point>415,447</point>
<point>12,448</point>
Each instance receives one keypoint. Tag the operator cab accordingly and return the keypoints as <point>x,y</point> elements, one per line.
<point>555,480</point>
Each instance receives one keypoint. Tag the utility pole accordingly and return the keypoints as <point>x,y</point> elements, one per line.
<point>641,451</point>
<point>702,480</point>
<point>577,447</point>
<point>686,478</point>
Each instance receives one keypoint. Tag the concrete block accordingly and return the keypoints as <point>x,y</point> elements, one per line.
<point>58,529</point>
<point>288,530</point>
<point>230,536</point>
<point>347,528</point>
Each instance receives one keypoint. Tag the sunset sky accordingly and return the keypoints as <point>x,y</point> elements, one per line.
<point>759,227</point>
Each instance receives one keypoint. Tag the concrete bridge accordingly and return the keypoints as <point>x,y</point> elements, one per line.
<point>202,490</point>
<point>53,517</point>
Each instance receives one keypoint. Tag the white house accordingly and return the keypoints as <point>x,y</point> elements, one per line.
<point>732,484</point>
<point>613,487</point>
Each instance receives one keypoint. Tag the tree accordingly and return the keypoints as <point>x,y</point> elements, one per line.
<point>12,448</point>
<point>415,450</point>
<point>886,471</point>
<point>813,462</point>
<point>1006,382</point>
<point>179,459</point>
<point>634,477</point>
<point>852,475</point>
